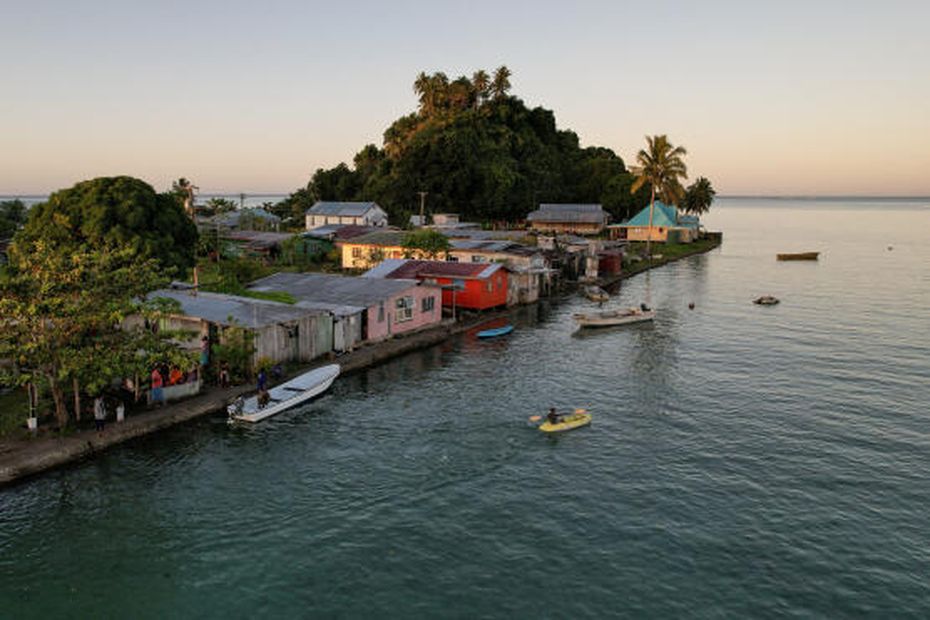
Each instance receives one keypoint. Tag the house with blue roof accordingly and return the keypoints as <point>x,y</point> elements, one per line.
<point>325,213</point>
<point>668,225</point>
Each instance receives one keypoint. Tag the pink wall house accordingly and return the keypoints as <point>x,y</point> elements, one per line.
<point>414,307</point>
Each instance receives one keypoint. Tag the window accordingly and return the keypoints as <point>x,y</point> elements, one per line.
<point>490,286</point>
<point>404,309</point>
<point>356,252</point>
<point>428,304</point>
<point>458,285</point>
<point>475,258</point>
<point>453,259</point>
<point>381,313</point>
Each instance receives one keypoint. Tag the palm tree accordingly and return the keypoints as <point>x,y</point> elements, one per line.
<point>501,83</point>
<point>660,165</point>
<point>698,197</point>
<point>481,82</point>
<point>421,86</point>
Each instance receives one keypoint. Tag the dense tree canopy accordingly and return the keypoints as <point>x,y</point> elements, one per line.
<point>477,151</point>
<point>12,216</point>
<point>115,211</point>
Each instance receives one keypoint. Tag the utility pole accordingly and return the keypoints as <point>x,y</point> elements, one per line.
<point>422,207</point>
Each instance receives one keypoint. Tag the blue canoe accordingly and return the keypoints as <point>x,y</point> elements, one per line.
<point>494,333</point>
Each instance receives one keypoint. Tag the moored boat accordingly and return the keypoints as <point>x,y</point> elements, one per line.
<point>766,300</point>
<point>497,331</point>
<point>567,422</point>
<point>798,256</point>
<point>297,390</point>
<point>609,318</point>
<point>596,293</point>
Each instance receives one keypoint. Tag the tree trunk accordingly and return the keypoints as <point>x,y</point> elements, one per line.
<point>77,398</point>
<point>58,395</point>
<point>652,206</point>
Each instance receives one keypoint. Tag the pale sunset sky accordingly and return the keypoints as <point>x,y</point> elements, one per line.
<point>794,97</point>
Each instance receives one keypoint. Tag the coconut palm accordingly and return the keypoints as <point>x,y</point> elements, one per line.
<point>698,197</point>
<point>501,83</point>
<point>660,165</point>
<point>481,82</point>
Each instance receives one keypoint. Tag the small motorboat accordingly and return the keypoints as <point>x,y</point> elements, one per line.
<point>596,293</point>
<point>798,256</point>
<point>610,318</point>
<point>496,332</point>
<point>297,390</point>
<point>766,300</point>
<point>567,422</point>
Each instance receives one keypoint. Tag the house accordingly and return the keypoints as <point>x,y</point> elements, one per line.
<point>366,251</point>
<point>530,275</point>
<point>475,286</point>
<point>667,225</point>
<point>357,213</point>
<point>370,310</point>
<point>580,219</point>
<point>242,219</point>
<point>279,332</point>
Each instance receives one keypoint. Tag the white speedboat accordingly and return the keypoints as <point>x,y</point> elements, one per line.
<point>610,318</point>
<point>596,293</point>
<point>297,390</point>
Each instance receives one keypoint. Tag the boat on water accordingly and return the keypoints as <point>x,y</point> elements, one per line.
<point>766,300</point>
<point>297,390</point>
<point>496,332</point>
<point>567,422</point>
<point>798,256</point>
<point>610,318</point>
<point>596,293</point>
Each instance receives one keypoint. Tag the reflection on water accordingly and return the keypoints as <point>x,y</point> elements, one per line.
<point>745,461</point>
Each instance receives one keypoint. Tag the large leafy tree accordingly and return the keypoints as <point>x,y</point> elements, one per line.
<point>428,243</point>
<point>62,313</point>
<point>698,197</point>
<point>114,211</point>
<point>660,165</point>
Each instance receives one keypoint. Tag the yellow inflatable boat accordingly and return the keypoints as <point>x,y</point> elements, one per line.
<point>567,422</point>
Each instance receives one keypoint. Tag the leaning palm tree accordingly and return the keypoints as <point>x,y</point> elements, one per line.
<point>660,165</point>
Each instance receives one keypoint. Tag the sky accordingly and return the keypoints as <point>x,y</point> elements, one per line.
<point>791,98</point>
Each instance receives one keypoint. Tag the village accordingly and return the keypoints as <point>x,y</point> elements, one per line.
<point>352,288</point>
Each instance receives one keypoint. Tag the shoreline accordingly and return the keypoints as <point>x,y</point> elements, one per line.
<point>21,459</point>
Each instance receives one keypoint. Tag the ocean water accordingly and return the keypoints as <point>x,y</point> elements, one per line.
<point>743,461</point>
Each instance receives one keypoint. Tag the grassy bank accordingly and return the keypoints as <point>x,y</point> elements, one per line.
<point>665,253</point>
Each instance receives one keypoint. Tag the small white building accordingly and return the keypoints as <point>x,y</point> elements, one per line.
<point>345,213</point>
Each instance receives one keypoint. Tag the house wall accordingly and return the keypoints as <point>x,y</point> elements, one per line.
<point>523,287</point>
<point>300,341</point>
<point>475,295</point>
<point>366,255</point>
<point>580,228</point>
<point>389,322</point>
<point>660,233</point>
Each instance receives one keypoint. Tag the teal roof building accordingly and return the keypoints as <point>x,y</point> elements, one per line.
<point>665,216</point>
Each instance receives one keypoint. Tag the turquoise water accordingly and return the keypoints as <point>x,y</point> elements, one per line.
<point>743,461</point>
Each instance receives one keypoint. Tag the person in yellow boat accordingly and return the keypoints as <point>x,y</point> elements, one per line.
<point>552,417</point>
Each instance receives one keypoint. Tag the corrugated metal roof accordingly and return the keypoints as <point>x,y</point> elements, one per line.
<point>479,244</point>
<point>234,310</point>
<point>401,268</point>
<point>573,213</point>
<point>380,238</point>
<point>333,289</point>
<point>347,209</point>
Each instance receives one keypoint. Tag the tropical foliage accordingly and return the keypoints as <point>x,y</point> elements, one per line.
<point>430,244</point>
<point>478,151</point>
<point>12,216</point>
<point>114,212</point>
<point>698,197</point>
<point>62,319</point>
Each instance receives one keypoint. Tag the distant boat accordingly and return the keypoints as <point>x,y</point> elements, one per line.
<point>610,318</point>
<point>766,300</point>
<point>290,394</point>
<point>497,331</point>
<point>798,256</point>
<point>596,293</point>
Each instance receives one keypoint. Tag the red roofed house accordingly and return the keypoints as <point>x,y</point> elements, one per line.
<point>478,286</point>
